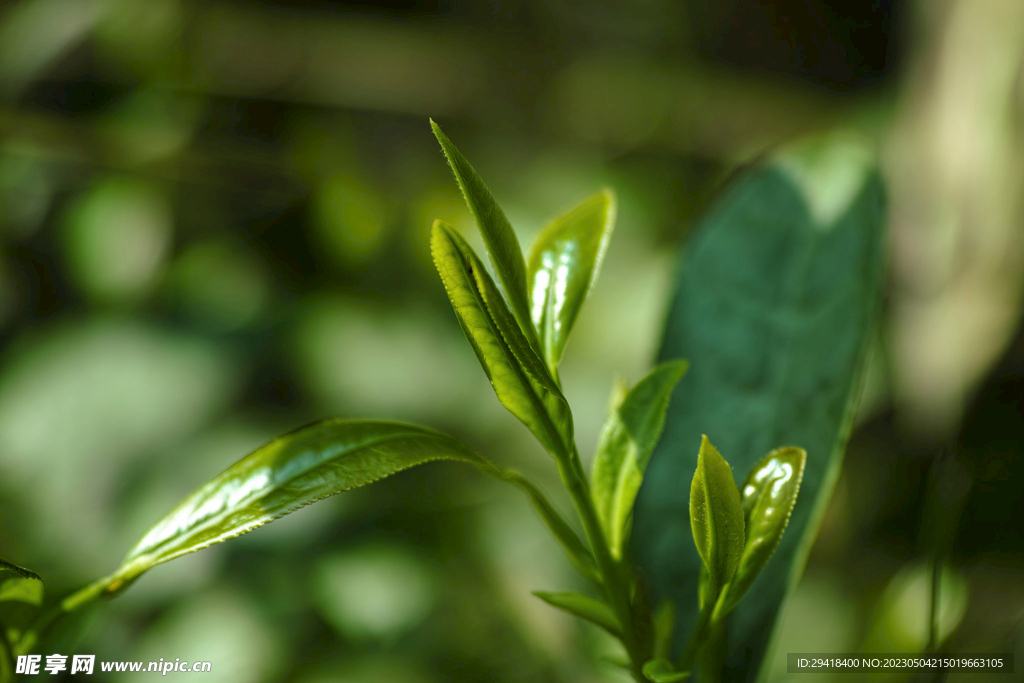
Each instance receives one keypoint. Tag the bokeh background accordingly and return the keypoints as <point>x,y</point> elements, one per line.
<point>213,228</point>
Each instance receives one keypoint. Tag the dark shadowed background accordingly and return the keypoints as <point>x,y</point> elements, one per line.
<point>213,228</point>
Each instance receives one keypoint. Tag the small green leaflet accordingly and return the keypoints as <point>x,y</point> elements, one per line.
<point>13,581</point>
<point>21,596</point>
<point>563,266</point>
<point>584,607</point>
<point>289,472</point>
<point>518,376</point>
<point>716,516</point>
<point>502,245</point>
<point>768,496</point>
<point>627,441</point>
<point>662,671</point>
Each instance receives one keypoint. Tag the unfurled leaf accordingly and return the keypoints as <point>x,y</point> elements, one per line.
<point>716,515</point>
<point>661,670</point>
<point>519,377</point>
<point>578,553</point>
<point>627,441</point>
<point>289,472</point>
<point>584,607</point>
<point>502,245</point>
<point>768,496</point>
<point>563,266</point>
<point>776,297</point>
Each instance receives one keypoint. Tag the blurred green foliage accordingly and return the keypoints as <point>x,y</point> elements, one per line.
<point>213,227</point>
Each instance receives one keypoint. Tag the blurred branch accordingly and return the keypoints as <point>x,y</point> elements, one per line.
<point>224,165</point>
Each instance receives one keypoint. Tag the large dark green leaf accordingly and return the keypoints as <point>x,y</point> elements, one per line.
<point>502,245</point>
<point>776,295</point>
<point>519,377</point>
<point>563,265</point>
<point>627,441</point>
<point>289,472</point>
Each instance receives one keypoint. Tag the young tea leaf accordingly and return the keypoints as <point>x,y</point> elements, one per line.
<point>563,266</point>
<point>776,296</point>
<point>502,245</point>
<point>584,607</point>
<point>627,441</point>
<point>661,670</point>
<point>289,472</point>
<point>716,515</point>
<point>768,495</point>
<point>519,377</point>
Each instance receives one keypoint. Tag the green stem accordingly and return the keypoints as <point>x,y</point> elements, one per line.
<point>85,595</point>
<point>701,630</point>
<point>616,583</point>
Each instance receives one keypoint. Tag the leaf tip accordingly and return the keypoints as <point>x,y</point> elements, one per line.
<point>608,195</point>
<point>446,144</point>
<point>439,233</point>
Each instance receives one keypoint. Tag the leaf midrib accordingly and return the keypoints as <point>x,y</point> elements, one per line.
<point>225,511</point>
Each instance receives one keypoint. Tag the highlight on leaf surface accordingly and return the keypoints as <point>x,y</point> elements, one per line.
<point>563,266</point>
<point>716,516</point>
<point>280,477</point>
<point>626,443</point>
<point>584,607</point>
<point>768,496</point>
<point>499,237</point>
<point>519,377</point>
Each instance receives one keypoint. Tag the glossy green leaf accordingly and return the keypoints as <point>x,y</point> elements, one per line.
<point>519,377</point>
<point>624,449</point>
<point>563,266</point>
<point>584,607</point>
<point>663,671</point>
<point>570,541</point>
<point>716,515</point>
<point>502,244</point>
<point>768,495</point>
<point>776,296</point>
<point>289,472</point>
